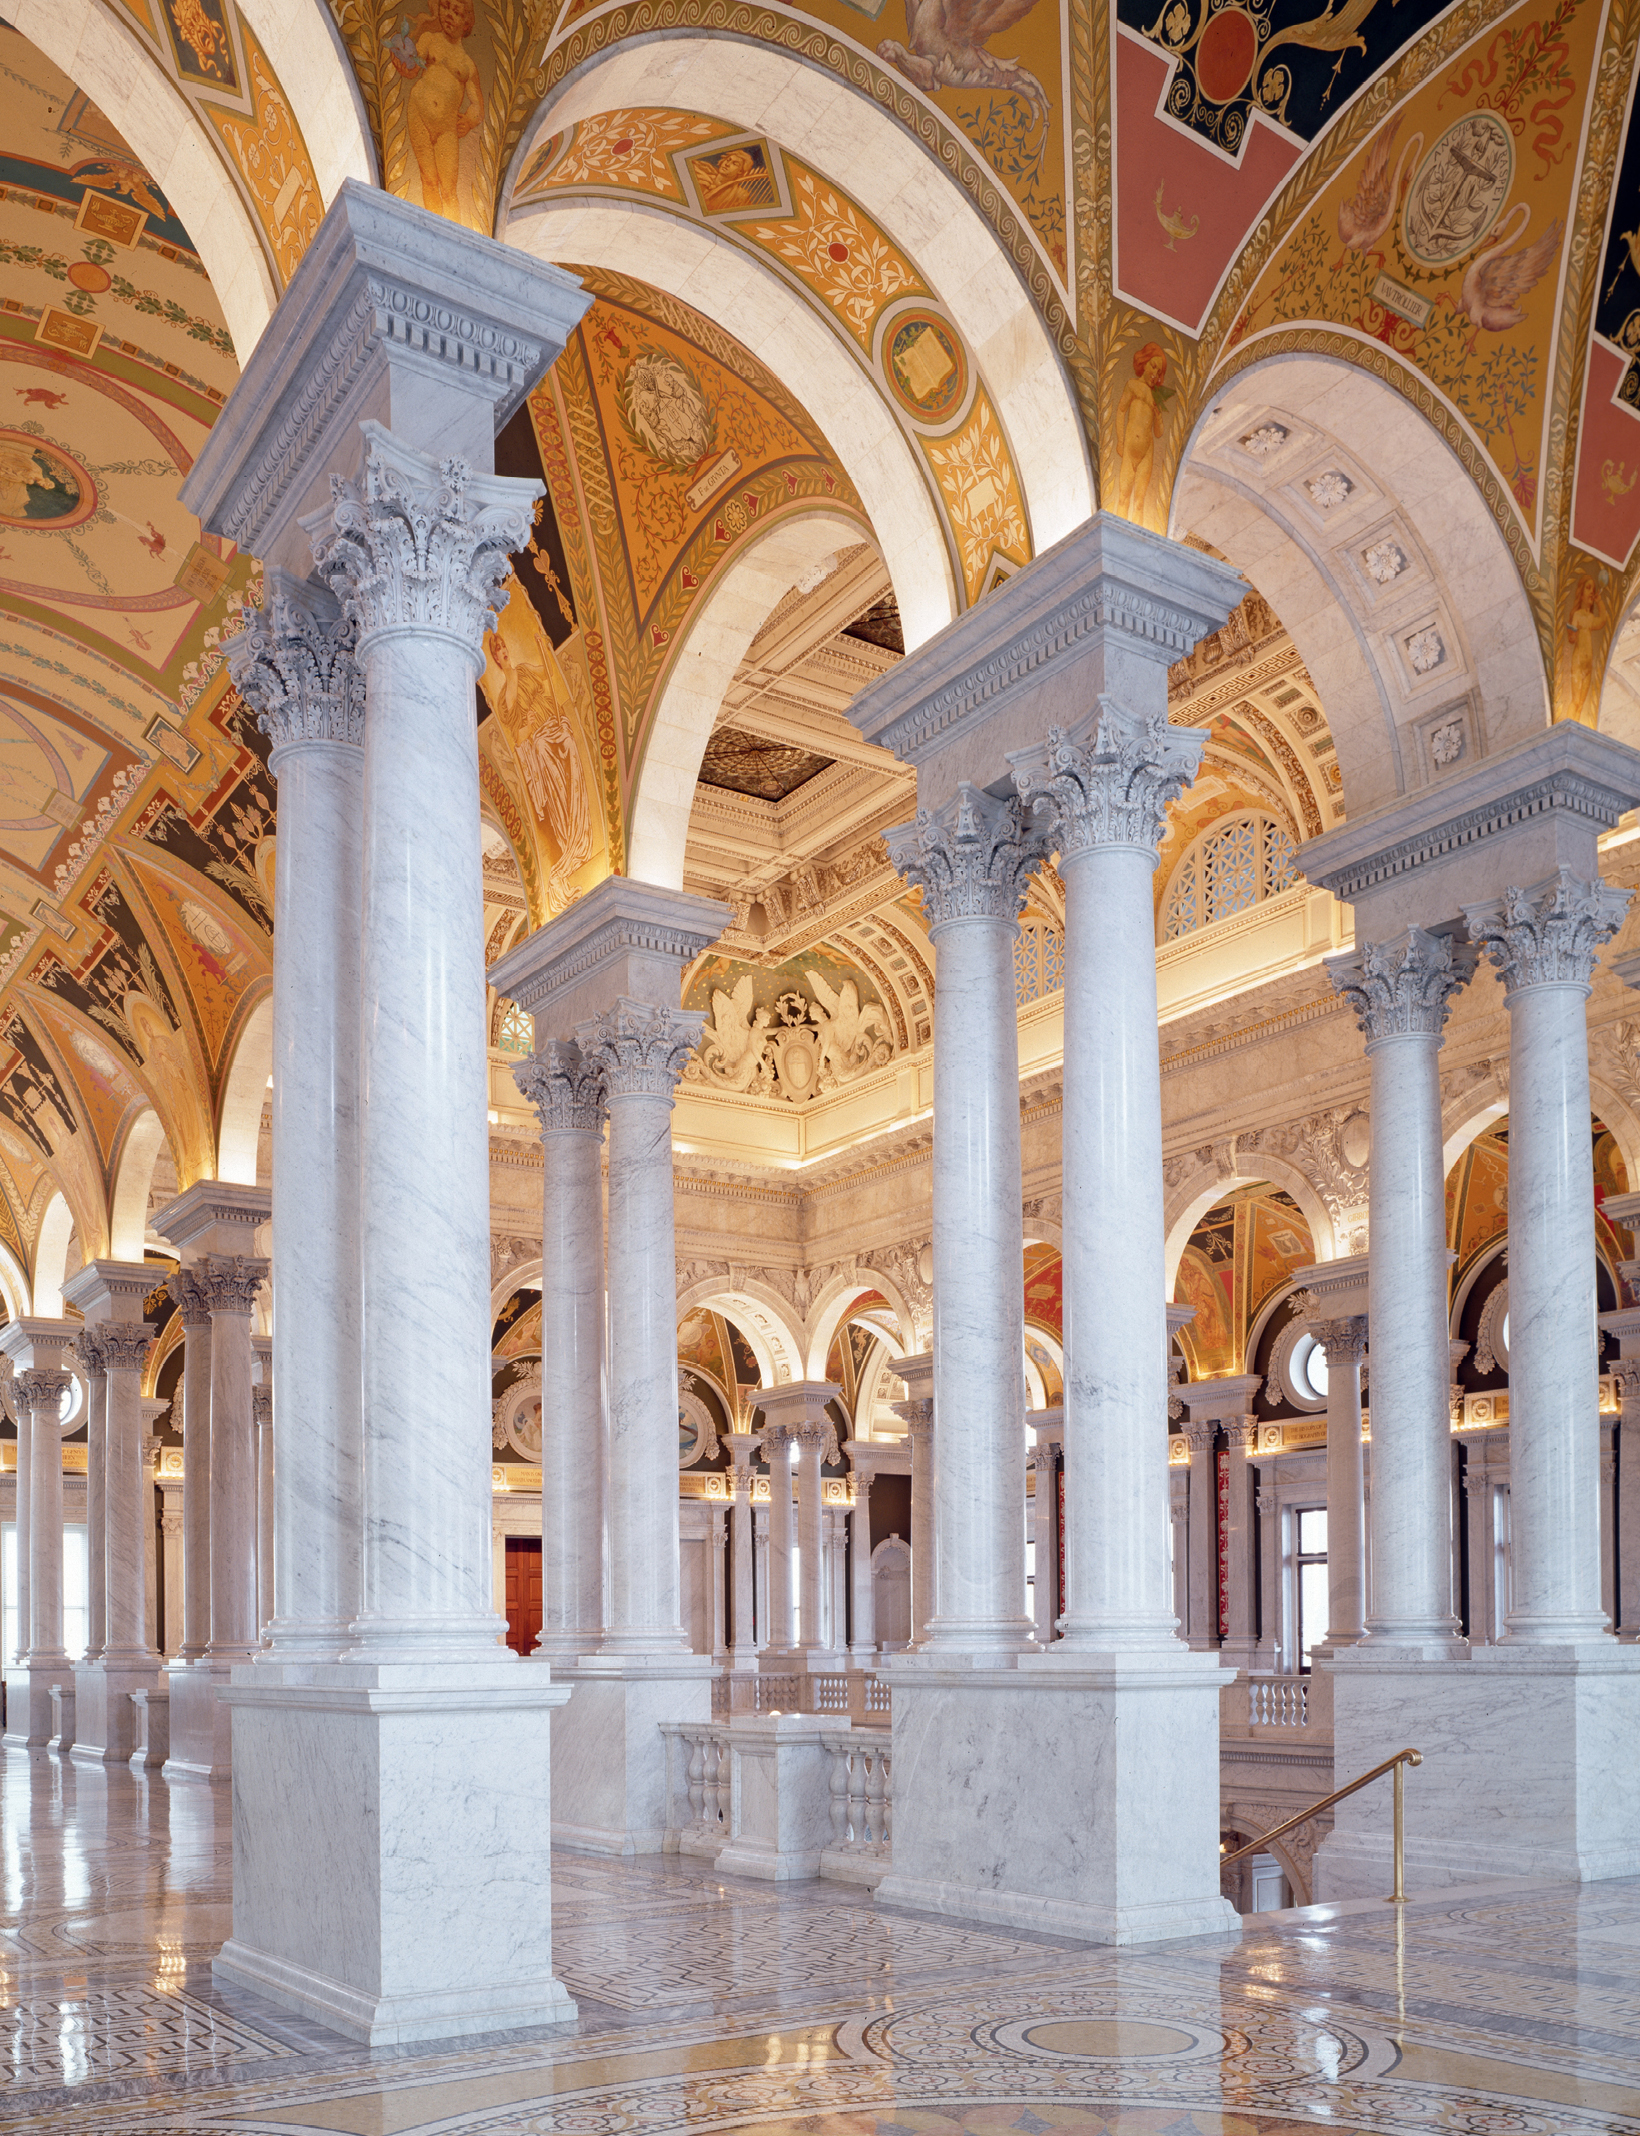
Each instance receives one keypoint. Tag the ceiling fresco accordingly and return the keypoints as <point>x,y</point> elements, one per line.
<point>1243,1251</point>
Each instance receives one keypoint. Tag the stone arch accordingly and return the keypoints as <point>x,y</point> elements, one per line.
<point>722,625</point>
<point>51,1256</point>
<point>1471,1112</point>
<point>830,1308</point>
<point>105,59</point>
<point>1357,522</point>
<point>850,139</point>
<point>762,1316</point>
<point>1190,1201</point>
<point>520,1274</point>
<point>133,1180</point>
<point>14,1285</point>
<point>243,1097</point>
<point>305,50</point>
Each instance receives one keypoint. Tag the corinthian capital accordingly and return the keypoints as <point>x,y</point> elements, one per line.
<point>640,1050</point>
<point>124,1344</point>
<point>188,1296</point>
<point>1344,1340</point>
<point>88,1348</point>
<point>565,1087</point>
<point>42,1389</point>
<point>1403,988</point>
<point>419,543</point>
<point>1115,789</point>
<point>971,859</point>
<point>230,1281</point>
<point>297,670</point>
<point>1547,935</point>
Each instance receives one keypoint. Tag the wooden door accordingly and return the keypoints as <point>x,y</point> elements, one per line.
<point>523,1592</point>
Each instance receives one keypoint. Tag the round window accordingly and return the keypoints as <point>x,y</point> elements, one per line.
<point>1307,1371</point>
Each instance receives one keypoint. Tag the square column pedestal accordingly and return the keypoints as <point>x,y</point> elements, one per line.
<point>608,1753</point>
<point>1075,1795</point>
<point>359,1899</point>
<point>1529,1767</point>
<point>201,1723</point>
<point>105,1721</point>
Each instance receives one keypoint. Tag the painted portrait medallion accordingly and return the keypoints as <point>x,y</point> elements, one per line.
<point>41,485</point>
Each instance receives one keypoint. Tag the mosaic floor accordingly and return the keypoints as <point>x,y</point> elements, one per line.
<point>709,2004</point>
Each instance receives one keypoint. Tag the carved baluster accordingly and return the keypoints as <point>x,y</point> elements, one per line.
<point>837,1784</point>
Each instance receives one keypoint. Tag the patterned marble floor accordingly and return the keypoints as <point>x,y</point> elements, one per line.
<point>709,2004</point>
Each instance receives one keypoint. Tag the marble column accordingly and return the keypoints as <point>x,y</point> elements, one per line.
<point>716,1537</point>
<point>837,1584</point>
<point>1202,1544</point>
<point>17,1694</point>
<point>862,1586</point>
<point>782,1542</point>
<point>230,1283</point>
<point>40,1350</point>
<point>295,664</point>
<point>1238,1648</point>
<point>973,860</point>
<point>1049,1425</point>
<point>1543,941</point>
<point>1401,992</point>
<point>153,1408</point>
<point>1625,1325</point>
<point>1333,1304</point>
<point>641,1053</point>
<point>195,1314</point>
<point>760,1565</point>
<point>566,1090</point>
<point>916,1413</point>
<point>1108,798</point>
<point>88,1351</point>
<point>416,550</point>
<point>742,1447</point>
<point>808,1440</point>
<point>266,1483</point>
<point>171,1542</point>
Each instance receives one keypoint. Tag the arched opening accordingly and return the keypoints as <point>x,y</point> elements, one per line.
<point>244,1097</point>
<point>51,1258</point>
<point>133,1184</point>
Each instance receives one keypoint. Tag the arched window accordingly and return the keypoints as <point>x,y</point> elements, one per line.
<point>1039,961</point>
<point>1232,865</point>
<point>515,1030</point>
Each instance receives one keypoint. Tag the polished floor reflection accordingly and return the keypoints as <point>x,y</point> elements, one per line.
<point>710,2004</point>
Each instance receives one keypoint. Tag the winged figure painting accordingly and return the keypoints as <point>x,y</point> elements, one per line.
<point>1497,284</point>
<point>945,49</point>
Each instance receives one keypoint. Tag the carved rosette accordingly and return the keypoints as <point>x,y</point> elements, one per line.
<point>230,1281</point>
<point>972,859</point>
<point>1344,1340</point>
<point>42,1388</point>
<point>1114,790</point>
<point>565,1087</point>
<point>1403,988</point>
<point>641,1051</point>
<point>88,1348</point>
<point>1550,934</point>
<point>300,675</point>
<point>125,1344</point>
<point>406,550</point>
<point>188,1296</point>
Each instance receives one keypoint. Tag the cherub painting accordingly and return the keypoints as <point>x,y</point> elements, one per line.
<point>445,100</point>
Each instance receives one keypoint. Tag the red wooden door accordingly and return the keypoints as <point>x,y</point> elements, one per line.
<point>523,1592</point>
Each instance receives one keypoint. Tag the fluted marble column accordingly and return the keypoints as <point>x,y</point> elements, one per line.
<point>1345,1342</point>
<point>1108,800</point>
<point>566,1090</point>
<point>1401,992</point>
<point>295,665</point>
<point>417,552</point>
<point>1543,941</point>
<point>782,1540</point>
<point>88,1349</point>
<point>742,1447</point>
<point>189,1296</point>
<point>641,1052</point>
<point>973,860</point>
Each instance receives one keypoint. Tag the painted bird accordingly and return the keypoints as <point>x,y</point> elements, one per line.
<point>1496,283</point>
<point>1363,219</point>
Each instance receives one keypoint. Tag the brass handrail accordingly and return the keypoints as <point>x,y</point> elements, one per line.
<point>1401,1759</point>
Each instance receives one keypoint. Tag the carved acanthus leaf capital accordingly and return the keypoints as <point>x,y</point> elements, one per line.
<point>262,1402</point>
<point>1549,934</point>
<point>88,1348</point>
<point>641,1051</point>
<point>565,1087</point>
<point>188,1296</point>
<point>1114,790</point>
<point>125,1344</point>
<point>407,548</point>
<point>299,674</point>
<point>42,1388</point>
<point>1199,1437</point>
<point>230,1281</point>
<point>1403,988</point>
<point>971,859</point>
<point>1344,1340</point>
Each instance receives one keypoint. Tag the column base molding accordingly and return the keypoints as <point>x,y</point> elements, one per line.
<point>402,1791</point>
<point>201,1723</point>
<point>105,1721</point>
<point>1528,1767</point>
<point>1075,1793</point>
<point>608,1753</point>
